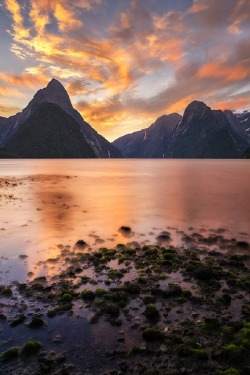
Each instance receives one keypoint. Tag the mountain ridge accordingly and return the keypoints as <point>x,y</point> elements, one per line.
<point>200,133</point>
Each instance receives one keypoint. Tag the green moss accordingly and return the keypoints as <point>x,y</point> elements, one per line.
<point>209,326</point>
<point>31,348</point>
<point>152,313</point>
<point>120,297</point>
<point>10,355</point>
<point>152,334</point>
<point>243,336</point>
<point>66,297</point>
<point>229,371</point>
<point>199,354</point>
<point>115,274</point>
<point>233,353</point>
<point>184,350</point>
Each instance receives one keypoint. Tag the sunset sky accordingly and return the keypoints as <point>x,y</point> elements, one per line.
<point>126,62</point>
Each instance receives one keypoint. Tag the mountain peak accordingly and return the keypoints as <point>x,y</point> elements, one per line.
<point>196,109</point>
<point>55,84</point>
<point>55,93</point>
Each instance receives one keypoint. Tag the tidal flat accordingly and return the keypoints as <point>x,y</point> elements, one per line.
<point>124,281</point>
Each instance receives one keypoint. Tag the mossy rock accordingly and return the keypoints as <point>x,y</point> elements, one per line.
<point>31,348</point>
<point>5,291</point>
<point>118,296</point>
<point>209,325</point>
<point>115,274</point>
<point>152,313</point>
<point>173,290</point>
<point>18,320</point>
<point>233,353</point>
<point>88,295</point>
<point>100,292</point>
<point>184,350</point>
<point>229,371</point>
<point>10,355</point>
<point>153,334</point>
<point>151,371</point>
<point>66,297</point>
<point>111,309</point>
<point>36,322</point>
<point>199,354</point>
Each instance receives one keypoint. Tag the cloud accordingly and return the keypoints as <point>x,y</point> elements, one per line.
<point>239,16</point>
<point>113,61</point>
<point>6,91</point>
<point>197,8</point>
<point>226,72</point>
<point>8,110</point>
<point>23,80</point>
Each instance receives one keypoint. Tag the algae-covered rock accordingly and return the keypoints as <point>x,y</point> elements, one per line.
<point>10,355</point>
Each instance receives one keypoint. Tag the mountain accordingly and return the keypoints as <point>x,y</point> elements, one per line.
<point>153,142</point>
<point>200,133</point>
<point>44,133</point>
<point>240,124</point>
<point>244,120</point>
<point>203,133</point>
<point>231,123</point>
<point>246,154</point>
<point>56,94</point>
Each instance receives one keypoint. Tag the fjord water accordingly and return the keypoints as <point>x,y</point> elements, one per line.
<point>57,202</point>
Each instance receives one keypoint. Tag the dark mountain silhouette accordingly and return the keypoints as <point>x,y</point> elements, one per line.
<point>48,133</point>
<point>246,154</point>
<point>55,93</point>
<point>203,133</point>
<point>153,142</point>
<point>200,133</point>
<point>244,120</point>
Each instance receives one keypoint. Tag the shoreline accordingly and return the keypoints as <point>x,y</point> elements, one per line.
<point>175,310</point>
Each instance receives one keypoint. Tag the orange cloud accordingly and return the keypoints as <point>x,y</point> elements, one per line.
<point>181,104</point>
<point>214,69</point>
<point>10,91</point>
<point>238,103</point>
<point>197,8</point>
<point>66,18</point>
<point>239,15</point>
<point>23,80</point>
<point>8,110</point>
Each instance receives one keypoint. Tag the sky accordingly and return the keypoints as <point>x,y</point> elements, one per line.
<point>124,63</point>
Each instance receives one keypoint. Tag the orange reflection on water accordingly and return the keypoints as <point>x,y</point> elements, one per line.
<point>67,200</point>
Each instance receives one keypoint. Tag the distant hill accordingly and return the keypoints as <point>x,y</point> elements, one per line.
<point>12,128</point>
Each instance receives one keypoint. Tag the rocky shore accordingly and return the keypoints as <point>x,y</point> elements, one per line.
<point>133,309</point>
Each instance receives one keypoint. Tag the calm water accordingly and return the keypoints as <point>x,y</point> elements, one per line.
<point>60,201</point>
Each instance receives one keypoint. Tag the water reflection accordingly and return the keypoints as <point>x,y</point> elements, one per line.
<point>92,199</point>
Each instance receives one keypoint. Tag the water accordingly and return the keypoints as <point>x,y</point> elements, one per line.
<point>61,201</point>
